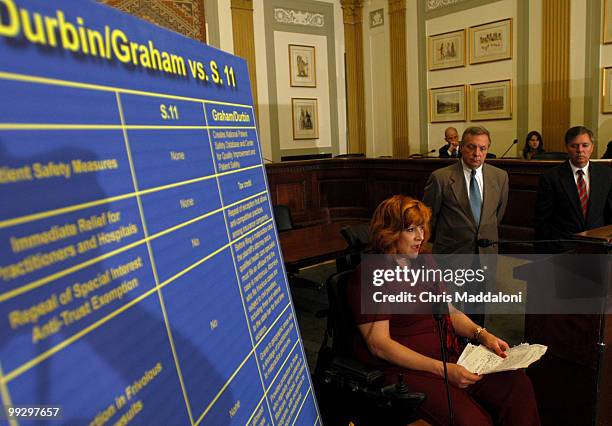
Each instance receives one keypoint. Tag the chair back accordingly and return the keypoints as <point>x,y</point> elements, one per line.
<point>340,324</point>
<point>282,217</point>
<point>357,236</point>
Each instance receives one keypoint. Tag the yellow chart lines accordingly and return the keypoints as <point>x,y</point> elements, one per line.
<point>54,126</point>
<point>227,383</point>
<point>71,339</point>
<point>283,365</point>
<point>98,87</point>
<point>44,355</point>
<point>238,280</point>
<point>65,126</point>
<point>152,260</point>
<point>49,278</point>
<point>6,396</point>
<point>297,414</point>
<point>50,213</point>
<point>248,422</point>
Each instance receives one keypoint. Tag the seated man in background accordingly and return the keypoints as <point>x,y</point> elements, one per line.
<point>451,149</point>
<point>573,197</point>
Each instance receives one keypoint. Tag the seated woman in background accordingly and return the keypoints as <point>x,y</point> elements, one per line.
<point>409,343</point>
<point>533,145</point>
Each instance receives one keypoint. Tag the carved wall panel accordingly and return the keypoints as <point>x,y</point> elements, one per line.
<point>182,16</point>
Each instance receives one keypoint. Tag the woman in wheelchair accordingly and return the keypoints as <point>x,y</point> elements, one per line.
<point>409,343</point>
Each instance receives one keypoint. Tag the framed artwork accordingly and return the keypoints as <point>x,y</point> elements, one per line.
<point>447,104</point>
<point>302,69</point>
<point>606,98</point>
<point>304,112</point>
<point>607,23</point>
<point>491,100</point>
<point>491,42</point>
<point>446,50</point>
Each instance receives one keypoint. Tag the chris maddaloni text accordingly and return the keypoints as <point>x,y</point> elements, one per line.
<point>429,297</point>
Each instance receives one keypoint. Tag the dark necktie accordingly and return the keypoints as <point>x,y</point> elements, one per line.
<point>475,197</point>
<point>582,192</point>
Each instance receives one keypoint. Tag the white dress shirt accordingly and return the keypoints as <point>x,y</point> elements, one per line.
<point>586,178</point>
<point>467,173</point>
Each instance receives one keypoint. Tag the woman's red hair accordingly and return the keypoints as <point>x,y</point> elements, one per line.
<point>394,215</point>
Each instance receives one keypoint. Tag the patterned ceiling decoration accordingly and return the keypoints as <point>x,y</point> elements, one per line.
<point>298,17</point>
<point>183,16</point>
<point>439,4</point>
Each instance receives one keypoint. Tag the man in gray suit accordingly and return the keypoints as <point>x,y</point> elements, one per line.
<point>468,200</point>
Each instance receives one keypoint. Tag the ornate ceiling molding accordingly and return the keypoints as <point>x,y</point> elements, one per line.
<point>439,4</point>
<point>298,17</point>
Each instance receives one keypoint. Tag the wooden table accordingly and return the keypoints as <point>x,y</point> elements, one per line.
<point>310,245</point>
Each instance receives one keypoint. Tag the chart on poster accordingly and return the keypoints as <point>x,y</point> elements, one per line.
<point>142,279</point>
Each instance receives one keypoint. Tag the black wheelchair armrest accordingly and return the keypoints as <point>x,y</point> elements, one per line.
<point>357,390</point>
<point>355,370</point>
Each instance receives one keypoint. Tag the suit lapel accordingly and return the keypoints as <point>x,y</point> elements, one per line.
<point>460,190</point>
<point>569,185</point>
<point>490,190</point>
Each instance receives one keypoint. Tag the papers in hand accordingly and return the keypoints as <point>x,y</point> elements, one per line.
<point>480,360</point>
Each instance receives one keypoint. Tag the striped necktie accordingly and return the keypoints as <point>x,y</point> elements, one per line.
<point>582,192</point>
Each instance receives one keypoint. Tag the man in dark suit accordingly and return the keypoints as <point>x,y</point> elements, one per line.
<point>451,149</point>
<point>575,196</point>
<point>467,199</point>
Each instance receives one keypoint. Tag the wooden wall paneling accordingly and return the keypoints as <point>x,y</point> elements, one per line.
<point>556,100</point>
<point>524,216</point>
<point>399,77</point>
<point>336,189</point>
<point>355,92</point>
<point>244,40</point>
<point>384,189</point>
<point>337,193</point>
<point>292,194</point>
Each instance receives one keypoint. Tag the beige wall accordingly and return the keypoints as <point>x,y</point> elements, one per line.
<point>502,131</point>
<point>378,79</point>
<point>285,92</point>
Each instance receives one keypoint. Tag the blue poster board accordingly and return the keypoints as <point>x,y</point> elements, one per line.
<point>141,275</point>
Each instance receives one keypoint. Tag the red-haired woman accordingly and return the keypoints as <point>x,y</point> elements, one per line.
<point>410,344</point>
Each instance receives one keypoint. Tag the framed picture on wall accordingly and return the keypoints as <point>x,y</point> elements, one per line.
<point>446,50</point>
<point>302,69</point>
<point>607,22</point>
<point>491,100</point>
<point>305,118</point>
<point>606,98</point>
<point>491,42</point>
<point>447,104</point>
